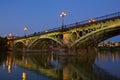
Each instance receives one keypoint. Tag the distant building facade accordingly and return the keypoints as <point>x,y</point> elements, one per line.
<point>109,44</point>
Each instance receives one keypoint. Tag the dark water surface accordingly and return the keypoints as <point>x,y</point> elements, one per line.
<point>92,64</point>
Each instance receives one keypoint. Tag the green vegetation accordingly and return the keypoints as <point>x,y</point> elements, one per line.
<point>3,44</point>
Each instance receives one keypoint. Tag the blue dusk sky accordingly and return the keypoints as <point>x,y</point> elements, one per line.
<point>39,15</point>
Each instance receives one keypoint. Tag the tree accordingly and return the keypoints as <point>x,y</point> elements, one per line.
<point>3,44</point>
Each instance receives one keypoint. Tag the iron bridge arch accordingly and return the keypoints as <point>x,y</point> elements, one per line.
<point>80,34</point>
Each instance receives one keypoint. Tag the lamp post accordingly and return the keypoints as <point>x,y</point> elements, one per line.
<point>62,15</point>
<point>25,29</point>
<point>10,41</point>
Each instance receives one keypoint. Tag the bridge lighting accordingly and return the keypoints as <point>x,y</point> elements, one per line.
<point>91,20</point>
<point>25,29</point>
<point>10,34</point>
<point>62,15</point>
<point>46,31</point>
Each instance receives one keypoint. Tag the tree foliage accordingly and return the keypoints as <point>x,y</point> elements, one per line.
<point>3,44</point>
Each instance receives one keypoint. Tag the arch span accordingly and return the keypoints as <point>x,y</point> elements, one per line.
<point>78,34</point>
<point>19,45</point>
<point>97,36</point>
<point>47,40</point>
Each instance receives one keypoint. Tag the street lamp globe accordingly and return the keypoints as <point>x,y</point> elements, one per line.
<point>25,29</point>
<point>62,15</point>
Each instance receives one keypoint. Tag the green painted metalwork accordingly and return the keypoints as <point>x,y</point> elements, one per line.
<point>81,34</point>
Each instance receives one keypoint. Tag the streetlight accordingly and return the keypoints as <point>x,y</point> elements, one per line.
<point>25,29</point>
<point>62,15</point>
<point>91,20</point>
<point>10,41</point>
<point>10,35</point>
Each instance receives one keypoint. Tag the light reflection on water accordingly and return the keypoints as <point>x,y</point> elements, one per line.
<point>16,74</point>
<point>109,60</point>
<point>88,64</point>
<point>10,70</point>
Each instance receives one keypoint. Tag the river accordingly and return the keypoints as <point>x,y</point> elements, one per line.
<point>85,64</point>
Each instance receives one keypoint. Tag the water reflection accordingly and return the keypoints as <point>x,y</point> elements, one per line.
<point>8,62</point>
<point>77,67</point>
<point>81,64</point>
<point>37,61</point>
<point>109,60</point>
<point>108,54</point>
<point>23,76</point>
<point>12,70</point>
<point>59,64</point>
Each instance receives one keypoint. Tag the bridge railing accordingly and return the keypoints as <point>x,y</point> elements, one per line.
<point>76,24</point>
<point>108,16</point>
<point>96,19</point>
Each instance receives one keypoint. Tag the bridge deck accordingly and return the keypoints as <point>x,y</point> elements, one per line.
<point>77,24</point>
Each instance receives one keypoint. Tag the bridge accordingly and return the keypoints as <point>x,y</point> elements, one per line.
<point>80,34</point>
